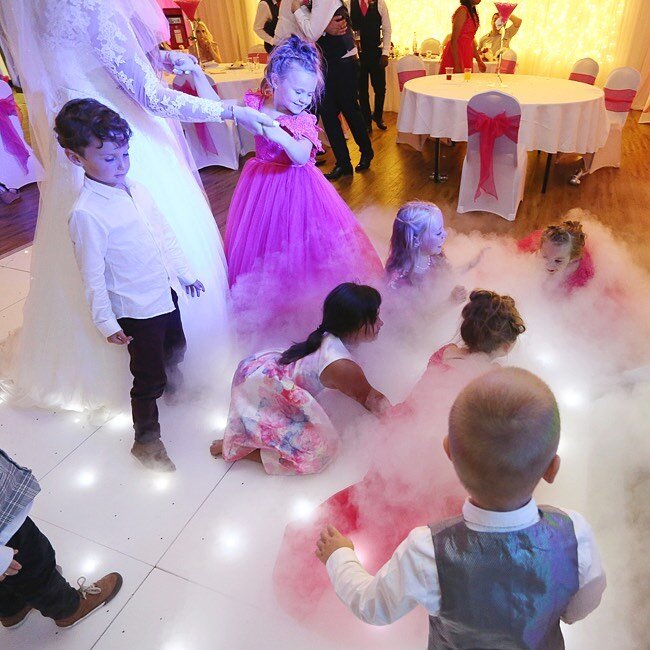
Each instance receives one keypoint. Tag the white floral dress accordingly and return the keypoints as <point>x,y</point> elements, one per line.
<point>273,408</point>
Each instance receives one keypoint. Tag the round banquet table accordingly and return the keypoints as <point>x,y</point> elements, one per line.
<point>556,114</point>
<point>234,84</point>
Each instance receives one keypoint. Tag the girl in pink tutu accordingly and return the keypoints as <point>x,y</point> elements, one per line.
<point>274,417</point>
<point>396,494</point>
<point>288,230</point>
<point>567,261</point>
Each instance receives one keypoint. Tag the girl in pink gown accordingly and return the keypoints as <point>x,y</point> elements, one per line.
<point>566,259</point>
<point>288,230</point>
<point>461,50</point>
<point>396,494</point>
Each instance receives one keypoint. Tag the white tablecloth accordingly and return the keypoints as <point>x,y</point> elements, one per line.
<point>233,84</point>
<point>556,114</point>
<point>393,95</point>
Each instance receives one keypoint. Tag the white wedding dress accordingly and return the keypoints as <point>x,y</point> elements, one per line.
<point>66,49</point>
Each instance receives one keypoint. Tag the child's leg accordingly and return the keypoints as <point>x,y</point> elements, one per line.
<point>148,369</point>
<point>174,348</point>
<point>38,583</point>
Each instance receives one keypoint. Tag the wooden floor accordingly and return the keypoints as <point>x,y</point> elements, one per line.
<point>618,198</point>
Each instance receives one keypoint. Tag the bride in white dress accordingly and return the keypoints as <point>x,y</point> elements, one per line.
<point>104,49</point>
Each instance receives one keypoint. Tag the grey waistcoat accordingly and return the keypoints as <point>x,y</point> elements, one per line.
<point>501,591</point>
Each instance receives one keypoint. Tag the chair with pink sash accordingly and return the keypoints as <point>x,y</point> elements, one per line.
<point>18,164</point>
<point>494,169</point>
<point>259,52</point>
<point>508,62</point>
<point>620,90</point>
<point>409,67</point>
<point>585,71</point>
<point>211,143</point>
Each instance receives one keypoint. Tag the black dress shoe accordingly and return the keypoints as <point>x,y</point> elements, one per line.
<point>364,163</point>
<point>380,124</point>
<point>369,127</point>
<point>339,172</point>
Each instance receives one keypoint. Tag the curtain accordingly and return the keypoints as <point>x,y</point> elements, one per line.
<point>231,24</point>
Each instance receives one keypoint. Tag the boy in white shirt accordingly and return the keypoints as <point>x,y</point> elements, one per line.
<point>506,572</point>
<point>131,265</point>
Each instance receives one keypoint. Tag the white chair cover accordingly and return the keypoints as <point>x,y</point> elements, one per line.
<point>15,171</point>
<point>510,162</point>
<point>585,71</point>
<point>624,82</point>
<point>431,44</point>
<point>409,67</point>
<point>223,143</point>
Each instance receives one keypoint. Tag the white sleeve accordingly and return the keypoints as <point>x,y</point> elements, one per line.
<point>313,23</point>
<point>386,28</point>
<point>6,555</point>
<point>591,575</point>
<point>90,241</point>
<point>261,17</point>
<point>117,48</point>
<point>408,579</point>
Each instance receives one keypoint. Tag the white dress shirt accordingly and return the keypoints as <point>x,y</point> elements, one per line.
<point>262,16</point>
<point>127,254</point>
<point>410,577</point>
<point>386,29</point>
<point>309,25</point>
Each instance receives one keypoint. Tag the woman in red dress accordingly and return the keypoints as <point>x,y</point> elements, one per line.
<point>462,49</point>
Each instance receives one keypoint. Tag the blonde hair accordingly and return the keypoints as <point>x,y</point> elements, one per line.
<point>570,232</point>
<point>504,430</point>
<point>413,220</point>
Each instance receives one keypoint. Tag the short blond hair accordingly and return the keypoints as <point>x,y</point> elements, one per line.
<point>504,430</point>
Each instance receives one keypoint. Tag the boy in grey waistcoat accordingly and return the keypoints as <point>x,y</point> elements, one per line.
<point>506,571</point>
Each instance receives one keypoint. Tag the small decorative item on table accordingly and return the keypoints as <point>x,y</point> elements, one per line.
<point>505,10</point>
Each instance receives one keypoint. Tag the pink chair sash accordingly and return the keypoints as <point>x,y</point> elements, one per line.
<point>489,129</point>
<point>507,66</point>
<point>582,78</point>
<point>619,101</point>
<point>407,75</point>
<point>12,141</point>
<point>202,131</point>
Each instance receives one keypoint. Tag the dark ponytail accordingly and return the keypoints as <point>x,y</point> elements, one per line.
<point>347,309</point>
<point>471,7</point>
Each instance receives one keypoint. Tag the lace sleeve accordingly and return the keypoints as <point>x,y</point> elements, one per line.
<point>302,126</point>
<point>115,45</point>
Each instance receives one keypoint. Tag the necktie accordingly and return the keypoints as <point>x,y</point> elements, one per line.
<point>364,6</point>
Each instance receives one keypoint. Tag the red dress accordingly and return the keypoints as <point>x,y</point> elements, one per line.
<point>579,278</point>
<point>465,44</point>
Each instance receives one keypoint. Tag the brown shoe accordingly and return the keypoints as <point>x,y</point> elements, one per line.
<point>17,619</point>
<point>153,455</point>
<point>91,598</point>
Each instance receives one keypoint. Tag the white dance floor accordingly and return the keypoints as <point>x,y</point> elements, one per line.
<point>196,548</point>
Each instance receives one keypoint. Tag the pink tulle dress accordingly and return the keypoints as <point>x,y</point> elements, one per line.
<point>579,278</point>
<point>287,225</point>
<point>465,44</point>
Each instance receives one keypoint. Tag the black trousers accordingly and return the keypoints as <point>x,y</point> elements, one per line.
<point>158,346</point>
<point>38,583</point>
<point>371,70</point>
<point>342,97</point>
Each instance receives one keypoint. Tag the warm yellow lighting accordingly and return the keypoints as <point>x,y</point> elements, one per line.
<point>553,36</point>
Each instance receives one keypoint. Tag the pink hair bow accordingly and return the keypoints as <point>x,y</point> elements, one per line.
<point>11,139</point>
<point>489,129</point>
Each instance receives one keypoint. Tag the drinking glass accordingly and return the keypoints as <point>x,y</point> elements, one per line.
<point>467,74</point>
<point>449,72</point>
